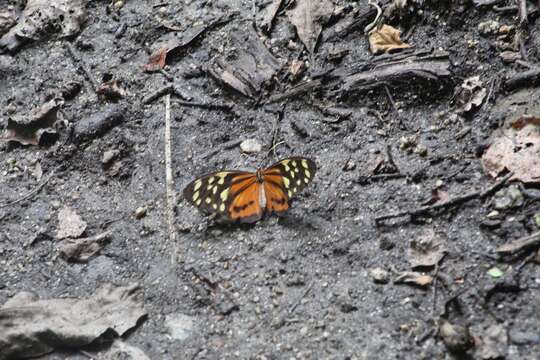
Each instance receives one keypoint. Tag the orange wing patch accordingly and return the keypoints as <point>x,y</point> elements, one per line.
<point>246,205</point>
<point>276,199</point>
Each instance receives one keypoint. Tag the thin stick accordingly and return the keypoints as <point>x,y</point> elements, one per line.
<point>81,66</point>
<point>171,195</point>
<point>455,201</point>
<point>30,193</point>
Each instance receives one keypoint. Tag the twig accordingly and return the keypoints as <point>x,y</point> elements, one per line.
<point>295,305</point>
<point>171,195</point>
<point>452,202</point>
<point>526,242</point>
<point>31,193</point>
<point>167,89</point>
<point>208,106</point>
<point>435,274</point>
<point>371,25</point>
<point>390,98</point>
<point>82,66</point>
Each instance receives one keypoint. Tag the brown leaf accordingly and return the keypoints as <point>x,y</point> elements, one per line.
<point>427,250</point>
<point>83,249</point>
<point>413,278</point>
<point>516,148</point>
<point>308,17</point>
<point>111,90</point>
<point>157,60</point>
<point>385,40</point>
<point>28,130</point>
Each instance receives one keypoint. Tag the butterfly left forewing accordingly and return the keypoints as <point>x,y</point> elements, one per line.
<point>212,192</point>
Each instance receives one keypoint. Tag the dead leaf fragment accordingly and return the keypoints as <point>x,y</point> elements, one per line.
<point>516,147</point>
<point>40,17</point>
<point>308,17</point>
<point>386,40</point>
<point>493,344</point>
<point>269,14</point>
<point>413,278</point>
<point>82,249</point>
<point>70,224</point>
<point>157,60</point>
<point>30,327</point>
<point>29,130</point>
<point>472,94</point>
<point>111,90</point>
<point>427,250</point>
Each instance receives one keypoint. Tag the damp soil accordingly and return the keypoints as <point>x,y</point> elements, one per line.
<point>296,285</point>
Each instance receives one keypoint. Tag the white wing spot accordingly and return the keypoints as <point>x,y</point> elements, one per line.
<point>222,207</point>
<point>211,179</point>
<point>221,177</point>
<point>224,194</point>
<point>289,193</point>
<point>214,206</point>
<point>195,195</point>
<point>292,174</point>
<point>298,182</point>
<point>306,180</point>
<point>214,190</point>
<point>305,164</point>
<point>208,200</point>
<point>294,190</point>
<point>308,174</point>
<point>286,182</point>
<point>286,165</point>
<point>198,202</point>
<point>296,170</point>
<point>209,187</point>
<point>293,163</point>
<point>197,185</point>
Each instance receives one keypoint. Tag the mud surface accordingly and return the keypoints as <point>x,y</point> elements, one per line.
<point>293,286</point>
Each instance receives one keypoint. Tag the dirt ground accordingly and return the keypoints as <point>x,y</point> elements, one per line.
<point>318,282</point>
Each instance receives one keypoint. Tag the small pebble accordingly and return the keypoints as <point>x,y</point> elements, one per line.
<point>140,212</point>
<point>379,275</point>
<point>250,146</point>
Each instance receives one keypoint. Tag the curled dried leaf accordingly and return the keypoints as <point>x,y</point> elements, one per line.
<point>386,39</point>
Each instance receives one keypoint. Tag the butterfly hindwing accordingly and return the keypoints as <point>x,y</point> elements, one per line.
<point>212,192</point>
<point>291,175</point>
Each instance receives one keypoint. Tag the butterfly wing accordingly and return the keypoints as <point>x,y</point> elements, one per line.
<point>284,179</point>
<point>233,195</point>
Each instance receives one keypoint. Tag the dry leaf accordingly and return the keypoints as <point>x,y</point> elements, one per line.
<point>40,17</point>
<point>308,17</point>
<point>413,278</point>
<point>269,14</point>
<point>516,148</point>
<point>29,130</point>
<point>493,344</point>
<point>385,40</point>
<point>156,61</point>
<point>427,250</point>
<point>472,94</point>
<point>83,249</point>
<point>70,224</point>
<point>31,327</point>
<point>111,90</point>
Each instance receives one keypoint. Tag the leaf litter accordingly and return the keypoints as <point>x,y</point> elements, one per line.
<point>427,250</point>
<point>309,17</point>
<point>386,39</point>
<point>31,327</point>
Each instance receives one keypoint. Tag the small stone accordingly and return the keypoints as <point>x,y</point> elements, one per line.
<point>108,156</point>
<point>180,326</point>
<point>55,204</point>
<point>118,4</point>
<point>505,29</point>
<point>508,198</point>
<point>510,56</point>
<point>456,337</point>
<point>140,212</point>
<point>421,150</point>
<point>488,27</point>
<point>494,214</point>
<point>379,275</point>
<point>350,165</point>
<point>407,142</point>
<point>250,146</point>
<point>296,68</point>
<point>523,338</point>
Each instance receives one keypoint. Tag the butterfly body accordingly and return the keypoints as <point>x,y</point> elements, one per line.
<point>245,196</point>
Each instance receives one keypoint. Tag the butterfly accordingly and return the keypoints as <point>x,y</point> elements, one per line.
<point>244,196</point>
